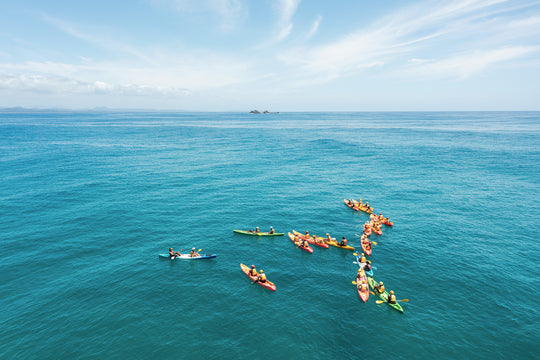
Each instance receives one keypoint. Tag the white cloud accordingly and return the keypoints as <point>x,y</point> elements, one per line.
<point>465,65</point>
<point>286,10</point>
<point>314,27</point>
<point>442,32</point>
<point>227,12</point>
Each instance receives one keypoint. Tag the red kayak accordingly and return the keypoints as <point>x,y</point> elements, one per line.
<point>349,205</point>
<point>387,222</point>
<point>311,240</point>
<point>376,230</point>
<point>365,248</point>
<point>308,248</point>
<point>267,284</point>
<point>364,294</point>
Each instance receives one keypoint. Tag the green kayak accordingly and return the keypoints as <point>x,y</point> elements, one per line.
<point>384,295</point>
<point>245,232</point>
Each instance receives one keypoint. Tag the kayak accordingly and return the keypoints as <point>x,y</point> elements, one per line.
<point>308,248</point>
<point>311,240</point>
<point>376,231</point>
<point>267,284</point>
<point>364,295</point>
<point>245,232</point>
<point>367,230</point>
<point>369,272</point>
<point>336,244</point>
<point>384,296</point>
<point>187,257</point>
<point>365,249</point>
<point>387,222</point>
<point>363,207</point>
<point>349,205</point>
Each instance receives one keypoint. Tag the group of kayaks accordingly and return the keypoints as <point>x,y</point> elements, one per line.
<point>365,278</point>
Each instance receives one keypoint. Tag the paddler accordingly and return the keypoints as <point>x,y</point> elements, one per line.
<point>253,271</point>
<point>392,297</point>
<point>257,229</point>
<point>304,244</point>
<point>262,276</point>
<point>173,254</point>
<point>306,235</point>
<point>193,253</point>
<point>360,274</point>
<point>343,242</point>
<point>271,230</point>
<point>380,288</point>
<point>328,238</point>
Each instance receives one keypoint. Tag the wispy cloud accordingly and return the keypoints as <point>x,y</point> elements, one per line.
<point>314,27</point>
<point>286,10</point>
<point>465,65</point>
<point>227,12</point>
<point>412,31</point>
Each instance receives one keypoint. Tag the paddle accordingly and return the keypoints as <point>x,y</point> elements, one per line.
<point>382,301</point>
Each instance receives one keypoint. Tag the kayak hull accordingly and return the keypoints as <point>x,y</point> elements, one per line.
<point>368,273</point>
<point>336,244</point>
<point>365,249</point>
<point>350,206</point>
<point>267,284</point>
<point>308,248</point>
<point>187,257</point>
<point>311,241</point>
<point>384,296</point>
<point>245,232</point>
<point>364,295</point>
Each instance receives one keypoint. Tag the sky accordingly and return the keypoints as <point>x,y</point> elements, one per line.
<point>276,55</point>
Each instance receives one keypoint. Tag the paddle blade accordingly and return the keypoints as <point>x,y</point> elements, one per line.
<point>354,282</point>
<point>379,301</point>
<point>374,242</point>
<point>404,300</point>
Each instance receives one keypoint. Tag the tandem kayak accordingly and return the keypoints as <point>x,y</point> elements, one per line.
<point>336,244</point>
<point>365,248</point>
<point>364,294</point>
<point>308,248</point>
<point>187,257</point>
<point>245,232</point>
<point>362,207</point>
<point>267,284</point>
<point>311,240</point>
<point>369,272</point>
<point>349,205</point>
<point>384,295</point>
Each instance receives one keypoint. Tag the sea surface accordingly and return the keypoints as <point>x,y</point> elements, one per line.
<point>89,199</point>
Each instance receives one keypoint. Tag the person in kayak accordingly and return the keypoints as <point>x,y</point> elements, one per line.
<point>343,242</point>
<point>328,238</point>
<point>253,271</point>
<point>262,276</point>
<point>173,254</point>
<point>367,265</point>
<point>392,297</point>
<point>380,288</point>
<point>271,230</point>
<point>257,229</point>
<point>304,243</point>
<point>193,253</point>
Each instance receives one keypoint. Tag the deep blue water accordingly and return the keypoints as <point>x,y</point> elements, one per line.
<point>89,200</point>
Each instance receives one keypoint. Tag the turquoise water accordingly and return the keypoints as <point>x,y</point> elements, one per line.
<point>89,200</point>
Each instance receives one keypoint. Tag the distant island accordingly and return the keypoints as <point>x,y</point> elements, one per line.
<point>264,112</point>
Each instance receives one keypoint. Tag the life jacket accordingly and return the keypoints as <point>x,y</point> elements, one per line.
<point>380,289</point>
<point>262,277</point>
<point>253,272</point>
<point>392,299</point>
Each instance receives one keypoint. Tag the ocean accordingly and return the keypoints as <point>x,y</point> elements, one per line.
<point>89,200</point>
